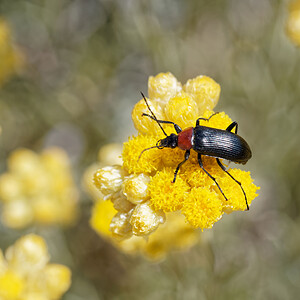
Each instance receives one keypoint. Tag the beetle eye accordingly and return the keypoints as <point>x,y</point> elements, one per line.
<point>159,145</point>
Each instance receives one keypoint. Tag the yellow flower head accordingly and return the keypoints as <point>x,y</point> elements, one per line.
<point>293,22</point>
<point>102,214</point>
<point>148,162</point>
<point>146,125</point>
<point>38,189</point>
<point>27,273</point>
<point>163,86</point>
<point>236,197</point>
<point>166,195</point>
<point>149,171</point>
<point>11,286</point>
<point>205,91</point>
<point>182,109</point>
<point>202,207</point>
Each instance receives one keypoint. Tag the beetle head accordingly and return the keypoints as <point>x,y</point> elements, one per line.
<point>170,141</point>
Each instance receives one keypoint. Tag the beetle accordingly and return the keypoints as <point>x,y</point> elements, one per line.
<point>208,141</point>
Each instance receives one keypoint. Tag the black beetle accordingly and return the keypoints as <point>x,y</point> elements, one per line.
<point>204,140</point>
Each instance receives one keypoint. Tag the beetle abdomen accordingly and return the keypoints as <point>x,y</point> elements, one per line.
<point>221,143</point>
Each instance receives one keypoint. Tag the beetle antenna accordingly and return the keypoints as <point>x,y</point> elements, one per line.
<point>146,150</point>
<point>154,117</point>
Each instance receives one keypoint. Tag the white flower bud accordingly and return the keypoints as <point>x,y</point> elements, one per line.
<point>120,226</point>
<point>135,188</point>
<point>109,180</point>
<point>145,220</point>
<point>121,203</point>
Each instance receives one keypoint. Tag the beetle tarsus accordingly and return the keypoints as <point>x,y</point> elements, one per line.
<point>231,126</point>
<point>205,119</point>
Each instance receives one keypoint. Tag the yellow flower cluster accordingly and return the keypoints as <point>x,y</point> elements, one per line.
<point>293,22</point>
<point>173,234</point>
<point>25,273</point>
<point>11,59</point>
<point>142,191</point>
<point>38,189</point>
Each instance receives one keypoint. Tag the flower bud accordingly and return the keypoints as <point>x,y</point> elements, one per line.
<point>121,203</point>
<point>109,180</point>
<point>29,253</point>
<point>120,226</point>
<point>163,86</point>
<point>205,91</point>
<point>135,188</point>
<point>145,220</point>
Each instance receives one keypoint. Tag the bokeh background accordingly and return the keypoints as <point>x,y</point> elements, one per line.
<point>80,68</point>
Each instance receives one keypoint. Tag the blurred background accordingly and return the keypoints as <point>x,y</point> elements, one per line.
<point>73,72</point>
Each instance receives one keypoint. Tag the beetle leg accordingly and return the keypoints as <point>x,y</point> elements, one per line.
<point>186,157</point>
<point>177,128</point>
<point>231,126</point>
<point>205,119</point>
<point>224,169</point>
<point>213,178</point>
